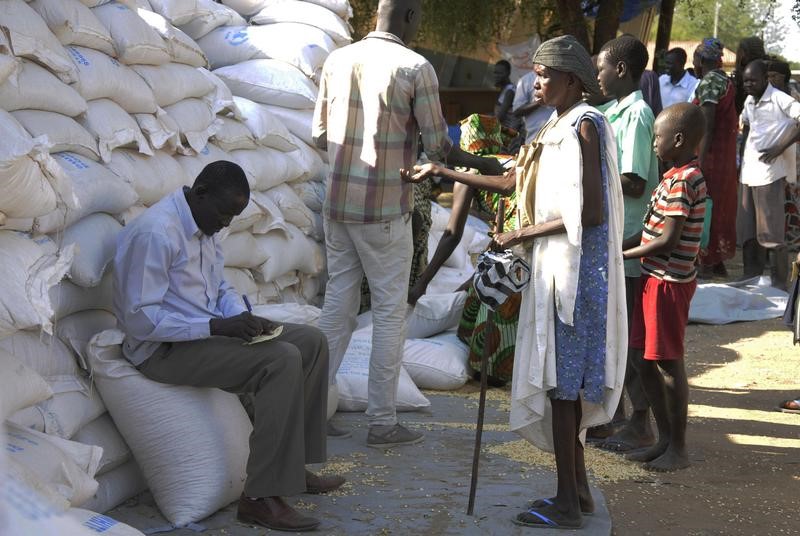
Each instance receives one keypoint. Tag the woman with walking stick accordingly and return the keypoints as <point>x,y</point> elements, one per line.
<point>572,339</point>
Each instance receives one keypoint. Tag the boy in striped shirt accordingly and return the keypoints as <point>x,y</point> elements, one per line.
<point>668,248</point>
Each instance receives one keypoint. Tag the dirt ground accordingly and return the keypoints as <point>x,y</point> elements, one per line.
<point>745,473</point>
<point>745,455</point>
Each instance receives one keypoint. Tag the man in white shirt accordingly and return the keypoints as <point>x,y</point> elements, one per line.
<point>771,127</point>
<point>677,85</point>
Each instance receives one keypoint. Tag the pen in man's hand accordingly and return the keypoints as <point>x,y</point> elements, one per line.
<point>247,304</point>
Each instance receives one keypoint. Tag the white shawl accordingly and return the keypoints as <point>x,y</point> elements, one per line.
<point>555,264</point>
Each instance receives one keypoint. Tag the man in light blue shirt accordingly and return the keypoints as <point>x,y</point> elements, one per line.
<point>531,109</point>
<point>185,325</point>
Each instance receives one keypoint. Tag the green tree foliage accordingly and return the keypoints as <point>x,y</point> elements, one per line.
<point>461,26</point>
<point>694,19</point>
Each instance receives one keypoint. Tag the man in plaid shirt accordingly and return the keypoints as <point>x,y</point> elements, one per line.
<point>376,98</point>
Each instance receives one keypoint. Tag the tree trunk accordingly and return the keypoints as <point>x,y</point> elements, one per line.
<point>607,23</point>
<point>573,21</point>
<point>664,32</point>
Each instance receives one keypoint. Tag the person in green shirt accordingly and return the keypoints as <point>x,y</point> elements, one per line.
<point>620,65</point>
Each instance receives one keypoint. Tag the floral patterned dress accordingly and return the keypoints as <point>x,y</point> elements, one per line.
<point>719,168</point>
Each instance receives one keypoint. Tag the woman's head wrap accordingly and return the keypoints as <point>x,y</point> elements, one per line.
<point>710,49</point>
<point>566,54</point>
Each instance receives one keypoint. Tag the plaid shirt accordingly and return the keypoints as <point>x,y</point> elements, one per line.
<point>376,97</point>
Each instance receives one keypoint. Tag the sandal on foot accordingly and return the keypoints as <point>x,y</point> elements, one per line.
<point>536,519</point>
<point>790,406</point>
<point>541,503</point>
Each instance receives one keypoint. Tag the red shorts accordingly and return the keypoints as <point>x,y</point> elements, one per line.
<point>660,316</point>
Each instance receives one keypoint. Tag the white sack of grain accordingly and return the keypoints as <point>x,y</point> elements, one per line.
<point>289,251</point>
<point>36,88</point>
<point>196,123</point>
<point>113,128</point>
<point>439,362</point>
<point>152,177</point>
<point>8,63</point>
<point>175,11</point>
<point>68,298</point>
<point>297,121</point>
<point>77,329</point>
<point>234,135</point>
<point>95,239</point>
<point>270,82</point>
<point>103,433</point>
<point>160,130</point>
<point>30,180</point>
<point>74,24</point>
<point>134,39</point>
<point>27,273</point>
<point>193,165</point>
<point>182,437</point>
<point>116,486</point>
<point>63,132</point>
<point>221,99</point>
<point>312,193</point>
<point>96,188</point>
<point>267,129</point>
<point>180,47</point>
<point>242,280</point>
<point>64,466</point>
<point>300,45</point>
<point>211,15</point>
<point>292,207</point>
<point>20,385</point>
<point>305,13</point>
<point>173,82</point>
<point>352,378</point>
<point>73,405</point>
<point>30,37</point>
<point>102,77</point>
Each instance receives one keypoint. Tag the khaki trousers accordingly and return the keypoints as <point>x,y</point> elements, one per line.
<point>288,378</point>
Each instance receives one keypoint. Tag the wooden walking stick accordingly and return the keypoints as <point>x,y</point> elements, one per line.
<point>473,487</point>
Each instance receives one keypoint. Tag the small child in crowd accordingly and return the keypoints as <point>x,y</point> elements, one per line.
<point>669,245</point>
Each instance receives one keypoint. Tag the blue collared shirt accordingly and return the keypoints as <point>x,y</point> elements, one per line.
<point>168,279</point>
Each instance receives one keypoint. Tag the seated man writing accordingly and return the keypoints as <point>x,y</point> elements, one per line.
<point>185,325</point>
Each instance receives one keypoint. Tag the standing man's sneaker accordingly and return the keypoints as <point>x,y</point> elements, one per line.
<point>338,432</point>
<point>393,435</point>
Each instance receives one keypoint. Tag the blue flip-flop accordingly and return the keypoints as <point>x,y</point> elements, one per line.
<point>538,503</point>
<point>546,522</point>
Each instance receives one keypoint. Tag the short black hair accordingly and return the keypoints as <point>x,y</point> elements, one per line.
<point>760,65</point>
<point>679,53</point>
<point>224,178</point>
<point>779,66</point>
<point>629,50</point>
<point>504,63</point>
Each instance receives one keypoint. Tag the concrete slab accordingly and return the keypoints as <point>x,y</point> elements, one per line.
<point>420,490</point>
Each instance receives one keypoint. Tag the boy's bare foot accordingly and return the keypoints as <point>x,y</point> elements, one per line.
<point>648,455</point>
<point>671,460</point>
<point>629,439</point>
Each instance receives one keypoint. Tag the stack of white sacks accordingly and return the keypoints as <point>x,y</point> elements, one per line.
<point>105,108</point>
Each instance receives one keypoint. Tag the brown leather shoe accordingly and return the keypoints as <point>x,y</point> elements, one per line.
<point>316,484</point>
<point>275,514</point>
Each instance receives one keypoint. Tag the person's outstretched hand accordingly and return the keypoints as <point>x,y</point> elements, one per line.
<point>419,173</point>
<point>244,326</point>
